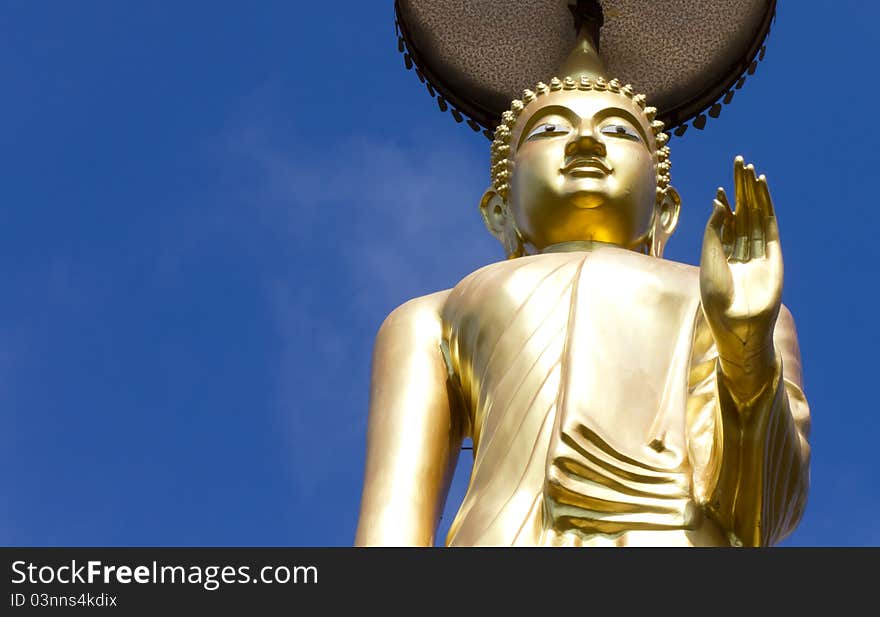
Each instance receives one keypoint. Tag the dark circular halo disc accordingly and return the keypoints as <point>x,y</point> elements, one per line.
<point>684,55</point>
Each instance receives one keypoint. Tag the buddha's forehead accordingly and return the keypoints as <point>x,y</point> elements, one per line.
<point>579,105</point>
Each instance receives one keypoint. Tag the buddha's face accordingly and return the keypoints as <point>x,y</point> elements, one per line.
<point>583,169</point>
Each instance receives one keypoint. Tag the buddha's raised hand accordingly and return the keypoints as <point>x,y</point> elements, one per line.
<point>741,282</point>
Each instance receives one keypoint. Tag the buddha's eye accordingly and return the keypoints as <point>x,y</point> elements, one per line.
<point>548,129</point>
<point>620,130</point>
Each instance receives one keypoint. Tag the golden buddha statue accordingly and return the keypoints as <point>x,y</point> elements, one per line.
<point>614,398</point>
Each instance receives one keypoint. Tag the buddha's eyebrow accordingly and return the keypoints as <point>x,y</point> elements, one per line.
<point>543,112</point>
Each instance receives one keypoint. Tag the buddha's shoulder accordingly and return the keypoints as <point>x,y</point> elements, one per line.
<point>420,314</point>
<point>516,277</point>
<point>424,312</point>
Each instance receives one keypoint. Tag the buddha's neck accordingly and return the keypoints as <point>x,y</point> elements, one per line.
<point>576,245</point>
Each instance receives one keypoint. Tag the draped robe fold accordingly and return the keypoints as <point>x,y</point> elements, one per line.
<point>589,381</point>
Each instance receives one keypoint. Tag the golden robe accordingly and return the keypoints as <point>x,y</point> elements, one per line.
<point>590,387</point>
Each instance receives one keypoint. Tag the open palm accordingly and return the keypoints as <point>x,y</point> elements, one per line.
<point>741,275</point>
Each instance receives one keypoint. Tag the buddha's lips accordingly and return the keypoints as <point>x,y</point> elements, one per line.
<point>589,165</point>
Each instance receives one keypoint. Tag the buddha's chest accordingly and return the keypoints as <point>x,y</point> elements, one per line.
<point>605,340</point>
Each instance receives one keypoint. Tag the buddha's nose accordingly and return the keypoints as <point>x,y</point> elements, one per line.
<point>585,142</point>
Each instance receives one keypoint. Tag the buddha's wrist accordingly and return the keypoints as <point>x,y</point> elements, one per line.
<point>747,374</point>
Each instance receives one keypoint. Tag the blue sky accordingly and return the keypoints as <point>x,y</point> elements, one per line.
<point>207,209</point>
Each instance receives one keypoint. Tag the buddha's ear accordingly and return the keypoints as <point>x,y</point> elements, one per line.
<point>494,212</point>
<point>665,220</point>
<point>500,223</point>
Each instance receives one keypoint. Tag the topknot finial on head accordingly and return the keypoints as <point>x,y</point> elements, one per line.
<point>583,71</point>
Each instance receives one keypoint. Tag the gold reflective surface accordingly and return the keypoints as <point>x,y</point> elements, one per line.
<point>613,397</point>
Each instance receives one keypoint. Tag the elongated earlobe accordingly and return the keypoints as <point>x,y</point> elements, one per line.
<point>665,221</point>
<point>498,220</point>
<point>513,245</point>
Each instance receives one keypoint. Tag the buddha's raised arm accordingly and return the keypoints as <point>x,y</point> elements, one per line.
<point>751,458</point>
<point>414,433</point>
<point>756,478</point>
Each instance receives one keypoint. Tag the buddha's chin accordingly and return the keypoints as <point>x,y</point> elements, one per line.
<point>587,193</point>
<point>587,199</point>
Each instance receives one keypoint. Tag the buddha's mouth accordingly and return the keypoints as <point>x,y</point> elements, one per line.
<point>589,166</point>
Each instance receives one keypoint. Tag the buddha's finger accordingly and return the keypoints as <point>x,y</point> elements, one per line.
<point>721,196</point>
<point>713,264</point>
<point>741,215</point>
<point>771,230</point>
<point>774,253</point>
<point>763,191</point>
<point>717,220</point>
<point>756,215</point>
<point>771,227</point>
<point>727,237</point>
